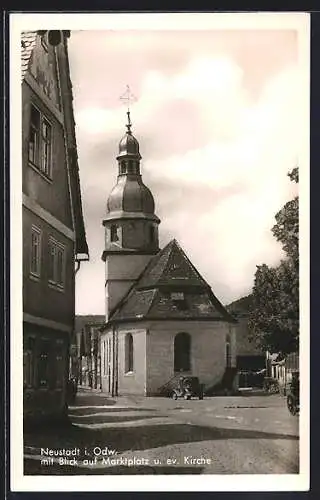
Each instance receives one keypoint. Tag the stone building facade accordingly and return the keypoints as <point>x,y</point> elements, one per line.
<point>54,240</point>
<point>162,318</point>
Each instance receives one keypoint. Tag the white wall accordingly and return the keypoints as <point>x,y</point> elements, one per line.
<point>135,382</point>
<point>208,351</point>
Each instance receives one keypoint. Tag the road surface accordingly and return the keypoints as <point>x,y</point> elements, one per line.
<point>221,435</point>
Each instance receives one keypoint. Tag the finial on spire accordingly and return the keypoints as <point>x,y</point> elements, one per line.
<point>127,98</point>
<point>129,122</point>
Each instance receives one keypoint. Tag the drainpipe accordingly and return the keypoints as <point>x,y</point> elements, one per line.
<point>113,362</point>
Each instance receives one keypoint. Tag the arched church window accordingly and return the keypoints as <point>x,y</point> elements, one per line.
<point>114,232</point>
<point>123,167</point>
<point>182,351</point>
<point>128,353</point>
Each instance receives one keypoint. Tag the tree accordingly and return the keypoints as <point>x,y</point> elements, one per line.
<point>274,311</point>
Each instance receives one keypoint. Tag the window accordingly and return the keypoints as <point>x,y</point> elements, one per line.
<point>128,353</point>
<point>46,147</point>
<point>35,254</point>
<point>122,167</point>
<point>40,141</point>
<point>29,362</point>
<point>182,349</point>
<point>114,232</point>
<point>56,263</point>
<point>34,138</point>
<point>179,300</point>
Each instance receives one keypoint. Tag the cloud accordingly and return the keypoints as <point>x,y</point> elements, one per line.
<point>218,132</point>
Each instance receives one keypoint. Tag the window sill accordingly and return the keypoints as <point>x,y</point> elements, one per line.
<point>42,174</point>
<point>56,287</point>
<point>34,277</point>
<point>129,374</point>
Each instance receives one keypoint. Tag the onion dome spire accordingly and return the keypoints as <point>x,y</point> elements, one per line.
<point>130,196</point>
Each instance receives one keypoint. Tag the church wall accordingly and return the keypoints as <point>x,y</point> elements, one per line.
<point>135,381</point>
<point>208,351</point>
<point>128,383</point>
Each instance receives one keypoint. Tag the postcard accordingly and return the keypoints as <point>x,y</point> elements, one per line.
<point>159,265</point>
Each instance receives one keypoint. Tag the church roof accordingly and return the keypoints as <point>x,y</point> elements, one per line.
<point>169,288</point>
<point>130,195</point>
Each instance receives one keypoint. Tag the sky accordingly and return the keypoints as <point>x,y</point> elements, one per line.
<point>217,118</point>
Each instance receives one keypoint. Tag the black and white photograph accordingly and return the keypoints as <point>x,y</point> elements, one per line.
<point>159,238</point>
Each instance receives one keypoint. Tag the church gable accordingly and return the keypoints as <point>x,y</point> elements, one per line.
<point>171,288</point>
<point>179,269</point>
<point>171,267</point>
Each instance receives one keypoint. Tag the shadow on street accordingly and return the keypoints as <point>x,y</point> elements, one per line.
<point>140,438</point>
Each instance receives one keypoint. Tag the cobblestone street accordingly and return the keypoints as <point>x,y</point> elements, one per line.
<point>136,435</point>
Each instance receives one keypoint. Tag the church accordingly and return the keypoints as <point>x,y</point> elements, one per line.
<point>162,318</point>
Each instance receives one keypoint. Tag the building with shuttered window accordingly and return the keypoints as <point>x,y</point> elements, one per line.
<point>54,240</point>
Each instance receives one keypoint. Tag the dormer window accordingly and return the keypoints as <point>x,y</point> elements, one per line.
<point>114,233</point>
<point>179,300</point>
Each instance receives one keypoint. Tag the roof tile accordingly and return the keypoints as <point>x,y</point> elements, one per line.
<point>28,42</point>
<point>152,297</point>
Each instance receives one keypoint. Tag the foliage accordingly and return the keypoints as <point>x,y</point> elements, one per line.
<point>274,312</point>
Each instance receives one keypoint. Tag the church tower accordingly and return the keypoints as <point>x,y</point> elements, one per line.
<point>131,226</point>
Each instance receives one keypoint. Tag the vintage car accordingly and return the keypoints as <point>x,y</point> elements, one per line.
<point>187,387</point>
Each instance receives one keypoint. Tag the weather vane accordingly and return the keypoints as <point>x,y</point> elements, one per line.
<point>127,98</point>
